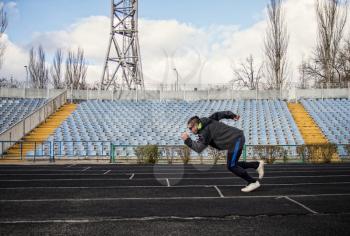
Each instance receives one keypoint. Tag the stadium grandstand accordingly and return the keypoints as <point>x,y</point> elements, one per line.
<point>13,110</point>
<point>79,125</point>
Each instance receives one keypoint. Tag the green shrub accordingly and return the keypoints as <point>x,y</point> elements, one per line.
<point>317,153</point>
<point>327,152</point>
<point>185,154</point>
<point>285,156</point>
<point>347,148</point>
<point>169,154</point>
<point>139,152</point>
<point>313,152</point>
<point>147,154</point>
<point>302,152</point>
<point>215,154</point>
<point>269,153</point>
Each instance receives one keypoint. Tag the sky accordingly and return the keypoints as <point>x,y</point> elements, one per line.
<point>204,39</point>
<point>58,15</point>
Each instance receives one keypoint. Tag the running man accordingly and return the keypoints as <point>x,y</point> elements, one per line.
<point>223,137</point>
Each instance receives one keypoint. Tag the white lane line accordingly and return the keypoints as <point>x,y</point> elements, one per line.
<point>232,177</point>
<point>37,172</point>
<point>214,170</point>
<point>107,172</point>
<point>182,172</point>
<point>162,186</point>
<point>169,198</point>
<point>219,191</point>
<point>228,172</point>
<point>132,176</point>
<point>300,204</point>
<point>63,174</point>
<point>165,173</point>
<point>104,219</point>
<point>167,182</point>
<point>86,168</point>
<point>273,177</point>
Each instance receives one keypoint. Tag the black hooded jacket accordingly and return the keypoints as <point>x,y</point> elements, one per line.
<point>215,133</point>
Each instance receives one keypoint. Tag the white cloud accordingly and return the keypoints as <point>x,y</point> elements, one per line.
<point>90,33</point>
<point>11,8</point>
<point>11,5</point>
<point>166,44</point>
<point>14,60</point>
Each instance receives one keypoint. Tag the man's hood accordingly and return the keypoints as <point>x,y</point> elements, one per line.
<point>205,121</point>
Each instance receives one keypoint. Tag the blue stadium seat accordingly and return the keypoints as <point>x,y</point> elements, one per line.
<point>333,118</point>
<point>155,122</point>
<point>13,110</point>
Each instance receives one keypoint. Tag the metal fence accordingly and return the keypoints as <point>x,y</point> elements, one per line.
<point>288,153</point>
<point>280,153</point>
<point>106,150</point>
<point>27,150</point>
<point>81,149</point>
<point>185,92</point>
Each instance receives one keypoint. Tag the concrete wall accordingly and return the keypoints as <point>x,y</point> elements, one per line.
<point>210,94</point>
<point>323,93</point>
<point>29,93</point>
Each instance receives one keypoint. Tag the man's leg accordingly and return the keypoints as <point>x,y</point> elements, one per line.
<point>232,162</point>
<point>257,165</point>
<point>248,165</point>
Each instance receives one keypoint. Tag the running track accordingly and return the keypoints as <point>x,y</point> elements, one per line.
<point>295,199</point>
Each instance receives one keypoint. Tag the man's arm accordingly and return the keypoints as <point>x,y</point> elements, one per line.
<point>197,146</point>
<point>224,115</point>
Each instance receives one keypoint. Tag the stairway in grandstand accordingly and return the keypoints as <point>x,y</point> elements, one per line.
<point>40,134</point>
<point>310,131</point>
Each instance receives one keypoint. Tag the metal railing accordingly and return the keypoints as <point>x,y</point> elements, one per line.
<point>187,92</point>
<point>84,149</point>
<point>104,150</point>
<point>286,153</point>
<point>17,131</point>
<point>37,150</point>
<point>165,151</point>
<point>280,153</point>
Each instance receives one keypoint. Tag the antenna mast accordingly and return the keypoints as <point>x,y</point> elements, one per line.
<point>122,68</point>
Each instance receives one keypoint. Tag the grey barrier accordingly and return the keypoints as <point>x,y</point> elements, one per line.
<point>221,93</point>
<point>24,126</point>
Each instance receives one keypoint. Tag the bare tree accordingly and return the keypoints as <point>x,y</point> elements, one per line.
<point>76,69</point>
<point>343,62</point>
<point>331,20</point>
<point>276,46</point>
<point>248,75</point>
<point>3,26</point>
<point>305,80</point>
<point>9,83</point>
<point>37,68</point>
<point>56,70</point>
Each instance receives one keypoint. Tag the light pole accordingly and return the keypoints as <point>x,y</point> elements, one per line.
<point>177,79</point>
<point>26,76</point>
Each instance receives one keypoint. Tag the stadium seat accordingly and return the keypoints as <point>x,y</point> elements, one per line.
<point>161,122</point>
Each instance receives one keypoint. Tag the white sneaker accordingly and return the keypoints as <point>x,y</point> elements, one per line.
<point>260,169</point>
<point>251,187</point>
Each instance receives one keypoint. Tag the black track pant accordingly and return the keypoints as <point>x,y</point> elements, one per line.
<point>238,167</point>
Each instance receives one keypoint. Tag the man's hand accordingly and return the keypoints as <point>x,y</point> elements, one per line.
<point>236,117</point>
<point>184,136</point>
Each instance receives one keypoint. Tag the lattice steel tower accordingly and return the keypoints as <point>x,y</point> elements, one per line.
<point>122,68</point>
